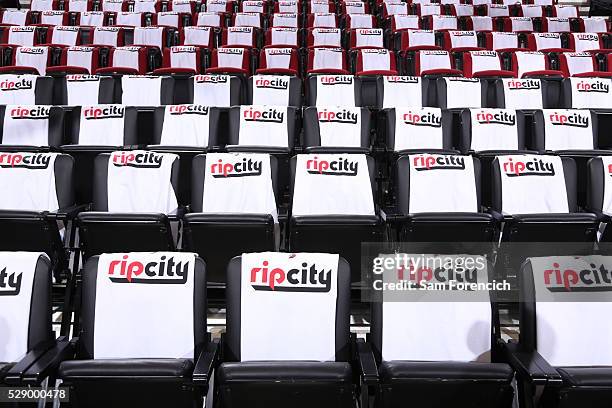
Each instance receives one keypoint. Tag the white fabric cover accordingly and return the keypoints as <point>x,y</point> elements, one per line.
<point>285,20</point>
<point>155,332</point>
<point>186,125</point>
<point>129,18</point>
<point>360,21</point>
<point>80,57</point>
<point>26,125</point>
<point>586,41</point>
<point>141,90</point>
<point>568,129</point>
<point>460,39</point>
<point>270,90</point>
<point>18,89</point>
<point>529,61</point>
<point>128,57</point>
<point>531,10</point>
<point>340,126</point>
<point>494,129</point>
<point>262,125</point>
<point>406,21</point>
<point>112,5</point>
<point>566,10</point>
<point>303,315</point>
<point>106,35</point>
<point>41,5</point>
<point>503,40</point>
<point>332,184</point>
<point>149,36</point>
<point>335,90</point>
<point>287,6</point>
<point>402,91</point>
<point>77,5</point>
<point>284,36</point>
<point>376,59</point>
<point>369,37</point>
<point>184,57</point>
<point>418,128</point>
<point>522,93</point>
<point>247,20</point>
<point>482,23</point>
<point>145,6</point>
<point>430,10</point>
<point>532,184</point>
<point>101,125</point>
<point>52,17</point>
<point>139,181</point>
<point>22,35</point>
<point>397,8</point>
<point>429,60</point>
<point>183,6</point>
<point>595,24</point>
<point>16,17</point>
<point>196,35</point>
<point>464,10</point>
<point>354,7</point>
<point>579,62</point>
<point>317,6</point>
<point>212,90</point>
<point>82,89</point>
<point>211,19</point>
<point>521,24</point>
<point>421,37</point>
<point>330,37</point>
<point>328,58</point>
<point>498,10</point>
<point>252,6</point>
<point>558,25</point>
<point>442,183</point>
<point>15,302</point>
<point>278,58</point>
<point>238,183</point>
<point>591,93</point>
<point>324,20</point>
<point>485,61</point>
<point>230,57</point>
<point>35,57</point>
<point>547,40</point>
<point>168,18</point>
<point>65,35</point>
<point>216,6</point>
<point>565,318</point>
<point>30,177</point>
<point>463,93</point>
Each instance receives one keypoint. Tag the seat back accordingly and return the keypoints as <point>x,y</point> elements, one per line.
<point>331,60</point>
<point>145,90</point>
<point>576,63</point>
<point>110,36</point>
<point>565,129</point>
<point>26,90</point>
<point>337,127</point>
<point>276,90</point>
<point>216,90</point>
<point>31,125</point>
<point>264,126</point>
<point>186,125</point>
<point>34,57</point>
<point>523,94</point>
<point>324,37</point>
<point>418,128</point>
<point>104,125</point>
<point>375,61</point>
<point>86,90</point>
<point>492,129</point>
<point>201,36</point>
<point>457,92</point>
<point>587,93</point>
<point>283,37</point>
<point>333,90</point>
<point>401,91</point>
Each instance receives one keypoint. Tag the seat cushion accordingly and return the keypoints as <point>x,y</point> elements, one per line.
<point>4,367</point>
<point>586,376</point>
<point>285,371</point>
<point>444,370</point>
<point>126,368</point>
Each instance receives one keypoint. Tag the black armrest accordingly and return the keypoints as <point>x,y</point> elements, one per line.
<point>67,213</point>
<point>531,365</point>
<point>17,372</point>
<point>499,217</point>
<point>367,363</point>
<point>603,217</point>
<point>392,215</point>
<point>50,361</point>
<point>207,360</point>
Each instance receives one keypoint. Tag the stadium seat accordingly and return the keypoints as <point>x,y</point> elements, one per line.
<point>176,364</point>
<point>22,35</point>
<point>431,62</point>
<point>518,24</point>
<point>201,36</point>
<point>546,42</point>
<point>409,129</point>
<point>184,59</point>
<point>160,37</point>
<point>337,130</point>
<point>220,225</point>
<point>346,218</point>
<point>461,41</point>
<point>109,36</point>
<point>324,37</point>
<point>587,93</point>
<point>458,92</point>
<point>261,128</point>
<point>501,41</point>
<point>366,38</point>
<point>591,42</point>
<point>405,22</point>
<point>235,61</point>
<point>26,90</point>
<point>484,64</point>
<point>53,18</point>
<point>580,64</point>
<point>401,91</point>
<point>209,19</point>
<point>143,90</point>
<point>327,61</point>
<point>278,61</point>
<point>132,60</point>
<point>492,130</point>
<point>283,37</point>
<point>77,60</point>
<point>354,21</point>
<point>286,6</point>
<point>594,25</point>
<point>78,89</point>
<point>15,17</point>
<point>31,127</point>
<point>115,6</point>
<point>555,25</point>
<point>319,371</point>
<point>274,90</point>
<point>532,64</point>
<point>333,90</point>
<point>320,6</point>
<point>527,93</point>
<point>132,19</point>
<point>220,6</point>
<point>479,23</point>
<point>439,23</point>
<point>372,61</point>
<point>242,19</point>
<point>322,20</point>
<point>285,20</point>
<point>134,198</point>
<point>565,130</point>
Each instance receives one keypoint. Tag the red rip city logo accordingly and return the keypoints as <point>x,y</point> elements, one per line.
<point>308,278</point>
<point>162,270</point>
<point>426,162</point>
<point>526,167</point>
<point>595,279</point>
<point>332,167</point>
<point>242,168</point>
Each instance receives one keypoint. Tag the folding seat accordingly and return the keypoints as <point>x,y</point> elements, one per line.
<point>450,357</point>
<point>134,199</point>
<point>146,90</point>
<point>401,91</point>
<point>76,90</point>
<point>22,35</point>
<point>176,363</point>
<point>15,17</point>
<point>160,37</point>
<point>459,92</point>
<point>78,5</point>
<point>245,37</point>
<point>53,17</point>
<point>461,10</point>
<point>25,90</point>
<point>171,19</point>
<point>185,6</point>
<point>215,90</point>
<point>286,6</point>
<point>275,90</point>
<point>537,195</point>
<point>478,23</point>
<point>498,10</point>
<point>414,40</point>
<point>337,130</point>
<point>130,60</point>
<point>283,37</point>
<point>581,64</point>
<point>320,6</point>
<point>526,93</point>
<point>587,93</point>
<point>109,36</point>
<point>44,5</point>
<point>478,64</point>
<point>77,60</point>
<point>327,61</point>
<point>322,20</point>
<point>411,128</point>
<point>555,25</point>
<point>145,6</point>
<point>92,18</point>
<point>372,61</point>
<point>569,131</point>
<point>428,9</point>
<point>198,36</point>
<point>460,41</point>
<point>565,11</point>
<point>278,61</point>
<point>404,22</point>
<point>177,127</point>
<point>31,127</point>
<point>353,21</point>
<point>285,20</point>
<point>251,6</point>
<point>208,19</point>
<point>63,36</point>
<point>502,42</point>
<point>346,218</point>
<point>221,224</point>
<point>354,7</point>
<point>248,20</point>
<point>492,131</point>
<point>545,42</point>
<point>432,62</point>
<point>184,59</point>
<point>230,61</point>
<point>333,90</point>
<point>531,10</point>
<point>261,128</point>
<point>318,372</point>
<point>115,6</point>
<point>594,24</point>
<point>556,315</point>
<point>591,42</point>
<point>440,22</point>
<point>220,6</point>
<point>518,24</point>
<point>33,60</point>
<point>395,8</point>
<point>131,19</point>
<point>324,37</point>
<point>531,64</point>
<point>366,38</point>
